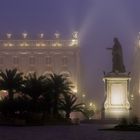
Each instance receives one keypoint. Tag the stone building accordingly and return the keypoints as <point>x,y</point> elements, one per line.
<point>42,56</point>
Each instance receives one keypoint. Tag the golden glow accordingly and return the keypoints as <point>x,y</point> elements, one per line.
<point>83,95</point>
<point>74,42</point>
<point>84,105</point>
<point>57,44</point>
<point>40,44</point>
<point>74,90</point>
<point>3,94</point>
<point>24,44</point>
<point>132,97</point>
<point>8,44</point>
<point>90,104</point>
<point>117,94</point>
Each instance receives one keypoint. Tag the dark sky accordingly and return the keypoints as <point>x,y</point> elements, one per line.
<point>97,21</point>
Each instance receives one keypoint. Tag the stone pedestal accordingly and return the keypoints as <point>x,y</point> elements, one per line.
<point>116,104</point>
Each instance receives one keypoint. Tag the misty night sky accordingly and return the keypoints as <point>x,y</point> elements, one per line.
<point>97,21</point>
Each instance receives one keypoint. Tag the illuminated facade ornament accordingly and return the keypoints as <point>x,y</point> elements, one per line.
<point>41,35</point>
<point>24,35</point>
<point>9,35</point>
<point>74,41</point>
<point>75,35</point>
<point>57,35</point>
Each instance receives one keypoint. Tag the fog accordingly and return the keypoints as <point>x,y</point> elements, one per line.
<point>97,21</point>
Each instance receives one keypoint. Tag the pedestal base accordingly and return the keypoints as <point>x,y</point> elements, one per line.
<point>116,113</point>
<point>116,105</point>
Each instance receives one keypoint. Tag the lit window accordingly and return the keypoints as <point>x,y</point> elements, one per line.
<point>24,44</point>
<point>40,44</point>
<point>8,44</point>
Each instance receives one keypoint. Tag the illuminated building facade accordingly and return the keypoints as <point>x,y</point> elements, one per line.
<point>42,56</point>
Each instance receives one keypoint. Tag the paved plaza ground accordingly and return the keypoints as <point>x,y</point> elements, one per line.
<point>75,132</point>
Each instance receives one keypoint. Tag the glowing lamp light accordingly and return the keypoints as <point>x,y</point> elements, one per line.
<point>90,104</point>
<point>74,90</point>
<point>74,42</point>
<point>56,44</point>
<point>3,94</point>
<point>24,44</point>
<point>40,44</point>
<point>132,97</point>
<point>8,44</point>
<point>83,95</point>
<point>83,105</point>
<point>37,44</point>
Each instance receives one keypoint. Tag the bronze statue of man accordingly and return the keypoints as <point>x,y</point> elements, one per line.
<point>117,57</point>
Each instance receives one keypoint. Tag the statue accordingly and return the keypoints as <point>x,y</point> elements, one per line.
<point>117,57</point>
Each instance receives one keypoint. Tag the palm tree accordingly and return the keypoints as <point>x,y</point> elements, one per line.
<point>69,104</point>
<point>34,86</point>
<point>12,81</point>
<point>57,85</point>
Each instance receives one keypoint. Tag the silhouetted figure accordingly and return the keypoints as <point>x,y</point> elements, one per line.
<point>117,57</point>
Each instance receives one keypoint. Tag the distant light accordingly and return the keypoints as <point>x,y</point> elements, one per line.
<point>74,90</point>
<point>10,44</point>
<point>38,45</point>
<point>90,104</point>
<point>132,97</point>
<point>3,94</point>
<point>84,105</point>
<point>83,95</point>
